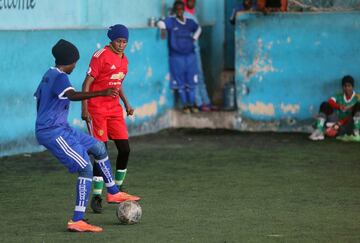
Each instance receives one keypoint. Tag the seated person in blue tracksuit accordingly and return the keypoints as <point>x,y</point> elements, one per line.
<point>182,33</point>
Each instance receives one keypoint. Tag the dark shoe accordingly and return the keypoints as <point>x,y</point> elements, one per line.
<point>95,204</point>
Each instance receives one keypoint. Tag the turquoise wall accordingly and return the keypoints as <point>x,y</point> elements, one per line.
<point>28,56</point>
<point>287,64</point>
<point>27,33</point>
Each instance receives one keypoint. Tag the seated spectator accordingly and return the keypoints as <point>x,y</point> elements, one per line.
<point>246,5</point>
<point>340,114</point>
<point>272,5</point>
<point>201,95</point>
<point>181,33</point>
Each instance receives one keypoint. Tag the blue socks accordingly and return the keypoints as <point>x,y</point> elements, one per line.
<point>106,173</point>
<point>83,188</point>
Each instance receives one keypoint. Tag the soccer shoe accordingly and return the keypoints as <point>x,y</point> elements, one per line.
<point>121,197</point>
<point>82,226</point>
<point>96,204</point>
<point>317,135</point>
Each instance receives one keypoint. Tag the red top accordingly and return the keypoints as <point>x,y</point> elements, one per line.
<point>109,70</point>
<point>191,11</point>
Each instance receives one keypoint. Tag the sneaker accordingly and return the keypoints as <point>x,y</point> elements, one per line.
<point>214,108</point>
<point>356,132</point>
<point>194,109</point>
<point>344,138</point>
<point>96,204</point>
<point>186,110</point>
<point>349,138</point>
<point>205,108</point>
<point>121,197</point>
<point>82,226</point>
<point>317,135</point>
<point>356,138</point>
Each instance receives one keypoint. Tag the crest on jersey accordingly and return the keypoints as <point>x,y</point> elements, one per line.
<point>113,67</point>
<point>100,132</point>
<point>118,76</point>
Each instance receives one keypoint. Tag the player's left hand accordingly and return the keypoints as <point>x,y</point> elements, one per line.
<point>129,111</point>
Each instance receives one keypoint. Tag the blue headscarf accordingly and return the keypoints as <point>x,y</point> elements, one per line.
<point>118,31</point>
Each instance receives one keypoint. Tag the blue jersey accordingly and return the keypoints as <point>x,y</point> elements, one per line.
<point>52,107</point>
<point>180,35</point>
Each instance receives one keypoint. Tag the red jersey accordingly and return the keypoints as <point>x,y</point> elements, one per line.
<point>109,70</point>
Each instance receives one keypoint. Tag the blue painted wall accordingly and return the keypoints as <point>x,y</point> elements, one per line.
<point>27,33</point>
<point>28,56</point>
<point>286,64</point>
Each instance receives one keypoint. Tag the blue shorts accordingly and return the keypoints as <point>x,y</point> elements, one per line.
<point>183,71</point>
<point>68,145</point>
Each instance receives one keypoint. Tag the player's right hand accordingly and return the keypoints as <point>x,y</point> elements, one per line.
<point>113,92</point>
<point>85,115</point>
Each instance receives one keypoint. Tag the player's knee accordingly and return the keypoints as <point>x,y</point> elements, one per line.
<point>98,150</point>
<point>87,171</point>
<point>326,108</point>
<point>356,109</point>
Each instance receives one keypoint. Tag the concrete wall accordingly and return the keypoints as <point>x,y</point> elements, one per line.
<point>286,64</point>
<point>29,30</point>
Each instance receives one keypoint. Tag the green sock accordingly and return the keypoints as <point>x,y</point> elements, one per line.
<point>320,122</point>
<point>357,123</point>
<point>98,185</point>
<point>356,126</point>
<point>120,177</point>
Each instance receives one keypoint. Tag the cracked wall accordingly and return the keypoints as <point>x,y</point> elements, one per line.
<point>286,64</point>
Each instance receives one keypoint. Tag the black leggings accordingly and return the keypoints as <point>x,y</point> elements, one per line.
<point>122,159</point>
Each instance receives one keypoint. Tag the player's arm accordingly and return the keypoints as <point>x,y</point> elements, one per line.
<point>197,32</point>
<point>129,109</point>
<point>162,26</point>
<point>76,96</point>
<point>336,106</point>
<point>84,106</point>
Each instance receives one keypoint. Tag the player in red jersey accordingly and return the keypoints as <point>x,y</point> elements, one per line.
<point>108,68</point>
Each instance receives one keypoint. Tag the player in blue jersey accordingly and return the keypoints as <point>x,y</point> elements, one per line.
<point>201,95</point>
<point>68,145</point>
<point>181,35</point>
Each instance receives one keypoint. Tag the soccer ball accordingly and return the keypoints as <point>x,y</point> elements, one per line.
<point>129,212</point>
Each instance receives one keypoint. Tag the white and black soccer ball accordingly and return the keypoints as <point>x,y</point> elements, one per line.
<point>129,212</point>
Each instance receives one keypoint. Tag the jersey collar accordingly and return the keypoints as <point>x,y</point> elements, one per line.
<point>351,97</point>
<point>181,22</point>
<point>57,69</point>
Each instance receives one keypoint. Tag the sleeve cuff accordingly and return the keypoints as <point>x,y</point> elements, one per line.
<point>61,95</point>
<point>161,24</point>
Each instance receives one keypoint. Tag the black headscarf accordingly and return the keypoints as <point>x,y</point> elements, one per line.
<point>65,53</point>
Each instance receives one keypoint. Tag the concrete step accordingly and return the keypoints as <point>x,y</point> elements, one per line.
<point>213,119</point>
